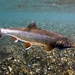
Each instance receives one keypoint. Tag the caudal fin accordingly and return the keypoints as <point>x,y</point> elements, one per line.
<point>0,33</point>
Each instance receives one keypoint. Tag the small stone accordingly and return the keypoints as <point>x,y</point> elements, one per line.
<point>45,71</point>
<point>53,60</point>
<point>49,68</point>
<point>31,72</point>
<point>36,64</point>
<point>9,58</point>
<point>18,60</point>
<point>24,62</point>
<point>70,72</point>
<point>7,72</point>
<point>0,71</point>
<point>3,67</point>
<point>38,70</point>
<point>15,60</point>
<point>10,69</point>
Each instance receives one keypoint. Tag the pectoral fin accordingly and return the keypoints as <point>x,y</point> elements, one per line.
<point>14,38</point>
<point>28,45</point>
<point>49,47</point>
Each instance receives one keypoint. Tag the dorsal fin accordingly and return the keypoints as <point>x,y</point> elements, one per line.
<point>32,25</point>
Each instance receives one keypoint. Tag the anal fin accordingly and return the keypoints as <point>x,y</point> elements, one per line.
<point>49,47</point>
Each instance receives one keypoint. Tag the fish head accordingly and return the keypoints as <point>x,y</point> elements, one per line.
<point>63,42</point>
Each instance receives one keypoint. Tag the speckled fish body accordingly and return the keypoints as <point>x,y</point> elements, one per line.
<point>33,35</point>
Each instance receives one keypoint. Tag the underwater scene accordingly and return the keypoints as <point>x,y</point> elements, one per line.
<point>53,15</point>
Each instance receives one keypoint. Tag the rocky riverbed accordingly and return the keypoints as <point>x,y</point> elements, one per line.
<point>15,60</point>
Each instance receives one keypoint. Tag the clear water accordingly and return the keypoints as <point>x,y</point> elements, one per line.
<point>55,15</point>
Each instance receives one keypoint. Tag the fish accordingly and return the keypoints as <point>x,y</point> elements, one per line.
<point>33,35</point>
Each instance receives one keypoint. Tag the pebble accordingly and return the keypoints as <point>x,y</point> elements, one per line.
<point>38,70</point>
<point>7,73</point>
<point>70,72</point>
<point>10,69</point>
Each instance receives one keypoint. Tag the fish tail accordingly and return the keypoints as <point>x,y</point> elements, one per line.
<point>0,33</point>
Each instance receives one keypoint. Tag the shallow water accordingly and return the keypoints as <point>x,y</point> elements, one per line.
<point>63,23</point>
<point>55,15</point>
